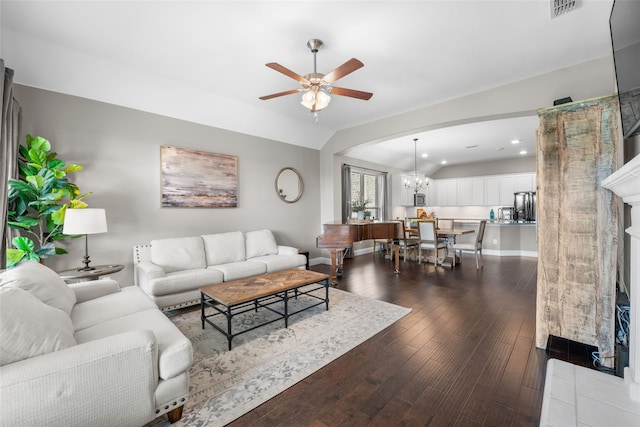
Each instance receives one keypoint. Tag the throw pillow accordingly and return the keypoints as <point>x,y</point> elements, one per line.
<point>224,248</point>
<point>177,254</point>
<point>29,327</point>
<point>42,282</point>
<point>260,243</point>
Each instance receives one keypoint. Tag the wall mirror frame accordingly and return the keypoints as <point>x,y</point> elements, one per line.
<point>289,185</point>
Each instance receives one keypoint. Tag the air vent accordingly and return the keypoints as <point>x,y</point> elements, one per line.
<point>560,7</point>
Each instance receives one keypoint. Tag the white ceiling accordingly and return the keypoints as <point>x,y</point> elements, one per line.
<point>203,61</point>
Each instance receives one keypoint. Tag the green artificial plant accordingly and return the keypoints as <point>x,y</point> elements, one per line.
<point>38,201</point>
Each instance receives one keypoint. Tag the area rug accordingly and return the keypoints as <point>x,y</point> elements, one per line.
<point>268,360</point>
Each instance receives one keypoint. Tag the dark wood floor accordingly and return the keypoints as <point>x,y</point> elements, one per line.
<point>464,356</point>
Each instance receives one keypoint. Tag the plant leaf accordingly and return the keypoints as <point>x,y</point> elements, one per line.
<point>25,244</point>
<point>46,251</point>
<point>14,257</point>
<point>38,143</point>
<point>58,215</point>
<point>73,168</point>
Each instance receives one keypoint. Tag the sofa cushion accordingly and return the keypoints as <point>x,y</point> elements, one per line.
<point>42,282</point>
<point>181,281</point>
<point>280,262</point>
<point>29,327</point>
<point>95,311</point>
<point>259,243</point>
<point>174,349</point>
<point>240,270</point>
<point>181,253</point>
<point>223,248</point>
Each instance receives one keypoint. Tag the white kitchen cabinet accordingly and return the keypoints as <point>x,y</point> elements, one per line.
<point>465,191</point>
<point>525,182</point>
<point>447,192</point>
<point>492,191</point>
<point>507,188</point>
<point>470,192</point>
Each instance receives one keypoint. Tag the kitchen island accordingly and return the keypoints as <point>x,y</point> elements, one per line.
<point>503,238</point>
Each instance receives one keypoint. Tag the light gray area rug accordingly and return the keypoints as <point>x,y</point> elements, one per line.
<point>268,360</point>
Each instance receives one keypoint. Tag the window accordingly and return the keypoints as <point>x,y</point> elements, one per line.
<point>364,185</point>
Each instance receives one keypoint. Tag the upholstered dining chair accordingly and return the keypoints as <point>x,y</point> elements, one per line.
<point>445,223</point>
<point>404,241</point>
<point>428,239</point>
<point>475,247</point>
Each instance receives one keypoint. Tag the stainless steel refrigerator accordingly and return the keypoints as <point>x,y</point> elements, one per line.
<point>525,206</point>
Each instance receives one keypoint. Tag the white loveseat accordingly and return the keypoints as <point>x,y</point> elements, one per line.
<point>171,270</point>
<point>86,354</point>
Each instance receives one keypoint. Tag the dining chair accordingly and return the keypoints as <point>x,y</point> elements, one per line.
<point>445,223</point>
<point>428,239</point>
<point>475,247</point>
<point>404,241</point>
<point>384,243</point>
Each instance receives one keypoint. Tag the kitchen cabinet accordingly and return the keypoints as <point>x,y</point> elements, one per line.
<point>525,182</point>
<point>470,192</point>
<point>507,188</point>
<point>447,192</point>
<point>492,191</point>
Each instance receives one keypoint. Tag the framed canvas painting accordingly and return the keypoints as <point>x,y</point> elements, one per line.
<point>198,179</point>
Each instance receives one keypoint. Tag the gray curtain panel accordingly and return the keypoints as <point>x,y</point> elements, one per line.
<point>10,126</point>
<point>346,193</point>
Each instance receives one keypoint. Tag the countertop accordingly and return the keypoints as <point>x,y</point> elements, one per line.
<point>495,221</point>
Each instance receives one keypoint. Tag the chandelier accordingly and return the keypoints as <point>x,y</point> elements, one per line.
<point>417,184</point>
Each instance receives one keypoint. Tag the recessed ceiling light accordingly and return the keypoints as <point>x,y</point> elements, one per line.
<point>425,155</point>
<point>444,162</point>
<point>472,146</point>
<point>515,141</point>
<point>523,152</point>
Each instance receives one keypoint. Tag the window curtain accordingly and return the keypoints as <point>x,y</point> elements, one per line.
<point>10,126</point>
<point>382,190</point>
<point>346,193</point>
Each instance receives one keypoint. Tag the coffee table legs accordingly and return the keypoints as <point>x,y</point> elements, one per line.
<point>228,313</point>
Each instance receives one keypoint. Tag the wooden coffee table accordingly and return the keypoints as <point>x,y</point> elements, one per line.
<point>240,296</point>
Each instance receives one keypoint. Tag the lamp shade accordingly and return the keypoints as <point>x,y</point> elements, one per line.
<point>85,221</point>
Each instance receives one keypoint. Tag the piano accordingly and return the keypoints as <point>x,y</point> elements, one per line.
<point>336,237</point>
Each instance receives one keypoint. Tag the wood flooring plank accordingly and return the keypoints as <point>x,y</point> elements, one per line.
<point>463,356</point>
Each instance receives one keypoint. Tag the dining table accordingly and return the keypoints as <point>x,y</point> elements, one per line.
<point>450,234</point>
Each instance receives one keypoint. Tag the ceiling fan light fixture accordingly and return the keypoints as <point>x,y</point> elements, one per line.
<point>317,98</point>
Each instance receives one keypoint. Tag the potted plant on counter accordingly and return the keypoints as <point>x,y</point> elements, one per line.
<point>38,200</point>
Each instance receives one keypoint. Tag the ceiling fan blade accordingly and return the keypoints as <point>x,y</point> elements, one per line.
<point>286,92</point>
<point>347,68</point>
<point>351,92</point>
<point>287,72</point>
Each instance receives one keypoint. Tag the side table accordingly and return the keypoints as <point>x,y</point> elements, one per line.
<point>99,270</point>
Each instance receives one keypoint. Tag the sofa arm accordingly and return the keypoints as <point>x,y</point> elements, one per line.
<point>146,271</point>
<point>287,250</point>
<point>92,289</point>
<point>113,379</point>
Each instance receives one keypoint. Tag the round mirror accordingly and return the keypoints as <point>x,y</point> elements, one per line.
<point>289,185</point>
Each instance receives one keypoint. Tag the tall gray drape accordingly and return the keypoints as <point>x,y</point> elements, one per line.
<point>346,193</point>
<point>382,190</point>
<point>10,125</point>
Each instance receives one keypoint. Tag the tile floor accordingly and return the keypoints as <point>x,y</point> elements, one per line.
<point>582,397</point>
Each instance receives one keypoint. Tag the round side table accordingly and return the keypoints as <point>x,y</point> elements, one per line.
<point>99,270</point>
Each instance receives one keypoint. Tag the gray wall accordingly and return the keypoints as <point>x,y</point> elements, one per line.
<point>518,165</point>
<point>120,151</point>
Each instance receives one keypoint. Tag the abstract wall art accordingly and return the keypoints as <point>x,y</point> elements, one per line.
<point>198,179</point>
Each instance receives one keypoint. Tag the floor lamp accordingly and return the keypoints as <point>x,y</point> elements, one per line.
<point>85,221</point>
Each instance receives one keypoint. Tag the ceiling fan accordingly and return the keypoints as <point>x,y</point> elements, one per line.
<point>317,86</point>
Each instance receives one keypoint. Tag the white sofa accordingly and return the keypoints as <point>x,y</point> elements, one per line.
<point>171,270</point>
<point>86,354</point>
